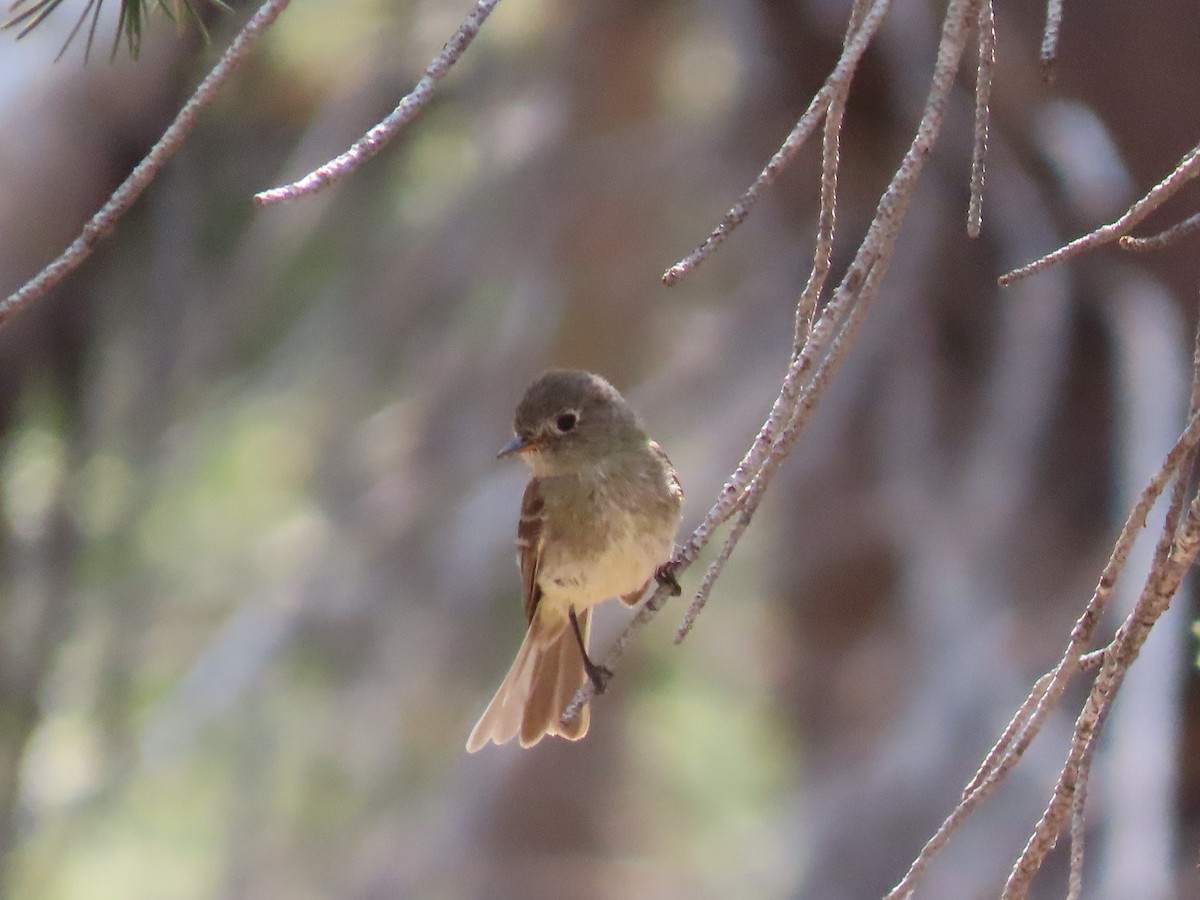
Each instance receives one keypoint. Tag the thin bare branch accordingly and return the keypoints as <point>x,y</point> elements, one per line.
<point>1087,663</point>
<point>1079,823</point>
<point>1054,14</point>
<point>105,220</point>
<point>1163,239</point>
<point>1049,689</point>
<point>1187,169</point>
<point>1161,585</point>
<point>847,64</point>
<point>983,107</point>
<point>839,322</point>
<point>406,110</point>
<point>779,451</point>
<point>809,396</point>
<point>831,334</point>
<point>1174,554</point>
<point>733,492</point>
<point>806,307</point>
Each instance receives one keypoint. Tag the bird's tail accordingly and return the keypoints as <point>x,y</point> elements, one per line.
<point>538,688</point>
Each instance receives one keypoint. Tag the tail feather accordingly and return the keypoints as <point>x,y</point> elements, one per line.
<point>543,678</point>
<point>502,718</point>
<point>540,699</point>
<point>571,677</point>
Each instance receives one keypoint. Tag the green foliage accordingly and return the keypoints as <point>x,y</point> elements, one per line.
<point>131,18</point>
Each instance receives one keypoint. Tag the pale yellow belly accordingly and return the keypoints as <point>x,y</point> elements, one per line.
<point>622,567</point>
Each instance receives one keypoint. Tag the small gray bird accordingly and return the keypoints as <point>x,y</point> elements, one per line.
<point>598,520</point>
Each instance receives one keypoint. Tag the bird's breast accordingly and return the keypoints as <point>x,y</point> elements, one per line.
<point>604,536</point>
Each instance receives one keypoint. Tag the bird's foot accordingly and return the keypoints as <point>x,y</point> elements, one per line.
<point>665,575</point>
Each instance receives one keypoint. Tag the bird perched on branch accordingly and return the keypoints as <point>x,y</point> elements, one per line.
<point>598,520</point>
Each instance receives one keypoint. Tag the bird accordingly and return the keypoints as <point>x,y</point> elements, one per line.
<point>598,521</point>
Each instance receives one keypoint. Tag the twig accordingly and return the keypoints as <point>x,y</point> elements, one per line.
<point>779,452</point>
<point>733,492</point>
<point>378,137</point>
<point>1174,554</point>
<point>1078,821</point>
<point>983,97</point>
<point>1087,663</point>
<point>847,307</point>
<point>853,296</point>
<point>1166,573</point>
<point>1187,169</point>
<point>1163,239</point>
<point>1156,596</point>
<point>806,307</point>
<point>847,64</point>
<point>1054,14</point>
<point>1048,691</point>
<point>105,220</point>
<point>1139,772</point>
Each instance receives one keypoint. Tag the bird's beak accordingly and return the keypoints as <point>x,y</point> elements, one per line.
<point>517,445</point>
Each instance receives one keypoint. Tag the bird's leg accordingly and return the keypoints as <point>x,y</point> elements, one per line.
<point>597,675</point>
<point>665,575</point>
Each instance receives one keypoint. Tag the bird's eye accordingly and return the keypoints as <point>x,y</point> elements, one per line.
<point>565,422</point>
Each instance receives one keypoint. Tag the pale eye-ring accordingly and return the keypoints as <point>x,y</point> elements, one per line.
<point>566,422</point>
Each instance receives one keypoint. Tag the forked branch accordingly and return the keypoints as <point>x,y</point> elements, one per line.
<point>823,338</point>
<point>1187,169</point>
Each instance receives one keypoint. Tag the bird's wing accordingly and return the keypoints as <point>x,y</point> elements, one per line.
<point>672,476</point>
<point>531,541</point>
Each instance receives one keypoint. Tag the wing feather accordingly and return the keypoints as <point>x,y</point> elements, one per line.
<point>674,485</point>
<point>531,541</point>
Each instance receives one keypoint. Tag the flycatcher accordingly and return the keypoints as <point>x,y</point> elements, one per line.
<point>598,520</point>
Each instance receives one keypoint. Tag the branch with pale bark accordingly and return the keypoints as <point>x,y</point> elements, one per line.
<point>823,333</point>
<point>105,221</point>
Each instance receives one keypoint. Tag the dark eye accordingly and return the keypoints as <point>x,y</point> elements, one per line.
<point>565,422</point>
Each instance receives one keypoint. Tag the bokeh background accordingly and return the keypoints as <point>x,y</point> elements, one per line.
<point>256,557</point>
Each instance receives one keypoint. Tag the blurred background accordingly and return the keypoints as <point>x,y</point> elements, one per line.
<point>257,573</point>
